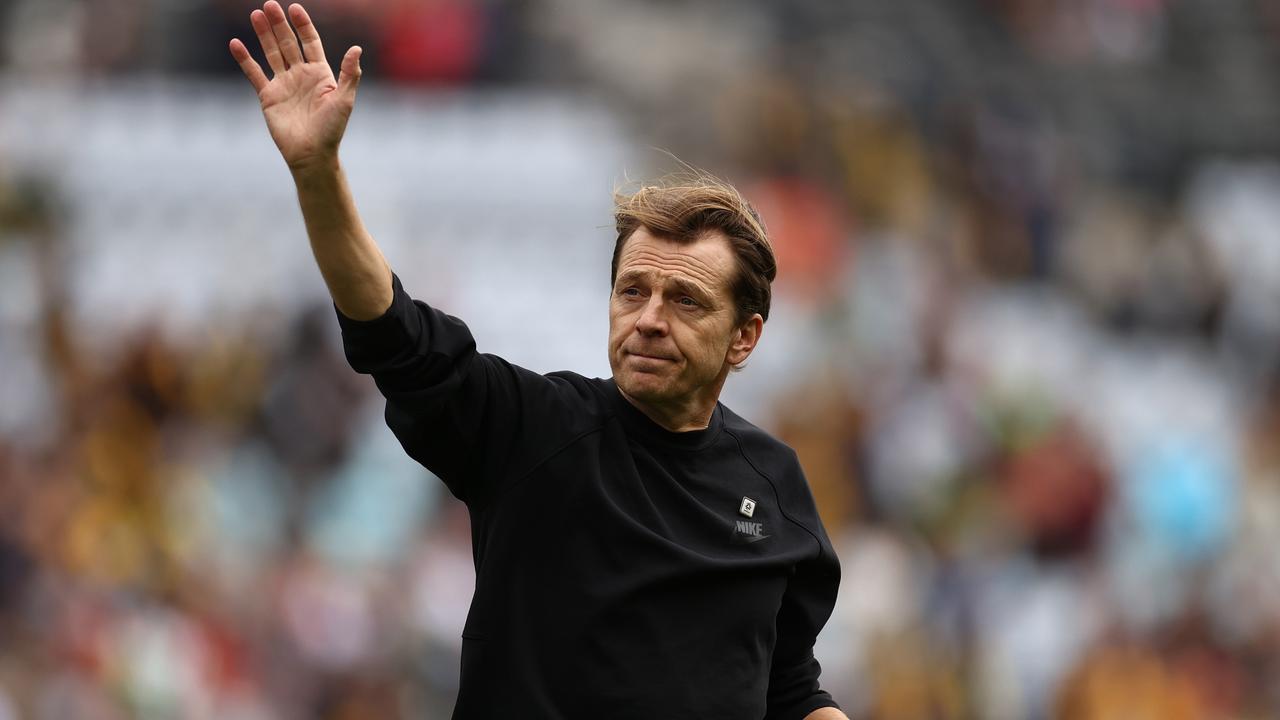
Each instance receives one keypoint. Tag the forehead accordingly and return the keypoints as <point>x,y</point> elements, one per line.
<point>707,261</point>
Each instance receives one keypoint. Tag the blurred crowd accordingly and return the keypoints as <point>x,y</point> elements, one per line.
<point>1026,342</point>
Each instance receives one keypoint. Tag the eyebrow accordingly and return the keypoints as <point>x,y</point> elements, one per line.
<point>689,287</point>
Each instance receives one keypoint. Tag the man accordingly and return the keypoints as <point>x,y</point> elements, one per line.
<point>641,552</point>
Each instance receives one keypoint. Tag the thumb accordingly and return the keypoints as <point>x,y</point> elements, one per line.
<point>349,72</point>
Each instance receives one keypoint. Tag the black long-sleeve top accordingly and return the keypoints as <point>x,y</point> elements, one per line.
<point>622,570</point>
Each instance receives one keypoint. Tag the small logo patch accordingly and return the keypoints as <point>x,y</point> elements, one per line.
<point>748,507</point>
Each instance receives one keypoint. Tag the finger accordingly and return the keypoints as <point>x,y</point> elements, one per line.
<point>284,34</point>
<point>251,69</point>
<point>267,39</point>
<point>311,46</point>
<point>349,73</point>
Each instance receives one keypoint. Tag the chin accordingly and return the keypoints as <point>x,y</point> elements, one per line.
<point>642,386</point>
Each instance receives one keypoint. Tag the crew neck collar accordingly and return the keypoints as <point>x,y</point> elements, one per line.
<point>644,426</point>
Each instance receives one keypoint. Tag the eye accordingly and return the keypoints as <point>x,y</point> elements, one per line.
<point>688,302</point>
<point>631,292</point>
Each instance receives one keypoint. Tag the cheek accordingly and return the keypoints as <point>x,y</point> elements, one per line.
<point>618,334</point>
<point>704,346</point>
<point>690,344</point>
<point>617,329</point>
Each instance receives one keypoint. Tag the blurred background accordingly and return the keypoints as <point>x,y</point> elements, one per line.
<point>1026,337</point>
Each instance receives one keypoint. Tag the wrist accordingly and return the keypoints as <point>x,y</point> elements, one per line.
<point>315,166</point>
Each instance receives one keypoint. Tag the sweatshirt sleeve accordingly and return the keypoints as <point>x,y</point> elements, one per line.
<point>794,691</point>
<point>470,418</point>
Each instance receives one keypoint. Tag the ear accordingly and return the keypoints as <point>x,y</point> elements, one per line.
<point>744,340</point>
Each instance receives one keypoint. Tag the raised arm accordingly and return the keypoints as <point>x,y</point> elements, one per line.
<point>306,111</point>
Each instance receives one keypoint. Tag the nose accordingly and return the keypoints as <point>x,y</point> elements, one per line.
<point>652,320</point>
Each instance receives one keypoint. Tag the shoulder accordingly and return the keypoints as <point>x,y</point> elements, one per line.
<point>760,447</point>
<point>555,402</point>
<point>588,391</point>
<point>571,379</point>
<point>587,397</point>
<point>778,463</point>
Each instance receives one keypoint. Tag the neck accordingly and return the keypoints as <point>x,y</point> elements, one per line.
<point>683,415</point>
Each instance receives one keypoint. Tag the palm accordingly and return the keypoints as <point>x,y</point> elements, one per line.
<point>303,112</point>
<point>306,109</point>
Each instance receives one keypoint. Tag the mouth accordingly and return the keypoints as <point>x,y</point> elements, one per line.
<point>646,356</point>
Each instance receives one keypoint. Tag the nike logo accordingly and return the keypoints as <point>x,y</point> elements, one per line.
<point>749,531</point>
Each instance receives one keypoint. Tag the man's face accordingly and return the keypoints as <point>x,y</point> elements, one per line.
<point>672,329</point>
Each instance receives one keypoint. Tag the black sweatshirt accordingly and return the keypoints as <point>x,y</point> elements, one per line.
<point>619,570</point>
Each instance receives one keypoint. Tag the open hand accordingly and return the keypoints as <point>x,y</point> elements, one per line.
<point>305,108</point>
